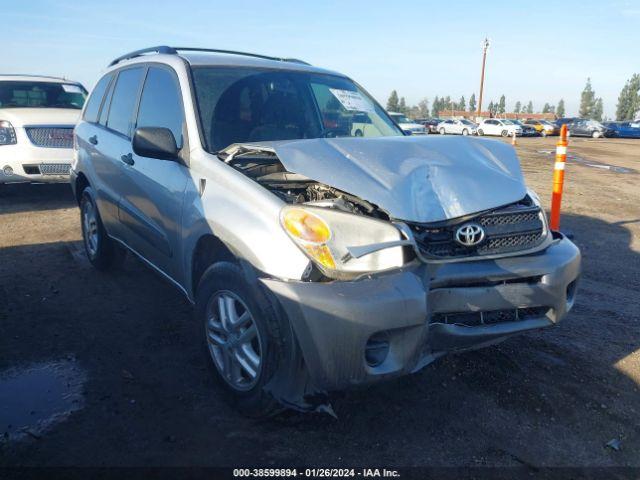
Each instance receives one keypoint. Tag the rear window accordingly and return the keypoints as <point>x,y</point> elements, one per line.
<point>28,94</point>
<point>125,95</point>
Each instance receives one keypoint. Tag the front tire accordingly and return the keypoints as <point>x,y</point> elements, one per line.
<point>504,133</point>
<point>102,251</point>
<point>442,131</point>
<point>543,133</point>
<point>242,334</point>
<point>465,132</point>
<point>480,132</point>
<point>596,134</point>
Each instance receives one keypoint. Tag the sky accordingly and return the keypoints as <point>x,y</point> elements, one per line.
<point>540,51</point>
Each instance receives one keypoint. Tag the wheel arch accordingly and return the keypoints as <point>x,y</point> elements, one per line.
<point>81,183</point>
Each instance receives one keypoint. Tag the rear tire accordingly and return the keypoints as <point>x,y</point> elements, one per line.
<point>465,132</point>
<point>243,337</point>
<point>504,133</point>
<point>480,132</point>
<point>543,133</point>
<point>596,134</point>
<point>442,131</point>
<point>102,251</point>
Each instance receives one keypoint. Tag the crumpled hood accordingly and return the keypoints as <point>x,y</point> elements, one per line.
<point>20,117</point>
<point>417,179</point>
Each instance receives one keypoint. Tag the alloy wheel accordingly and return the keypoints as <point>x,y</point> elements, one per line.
<point>234,340</point>
<point>90,230</point>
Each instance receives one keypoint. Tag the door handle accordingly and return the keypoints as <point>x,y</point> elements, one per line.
<point>93,140</point>
<point>128,159</point>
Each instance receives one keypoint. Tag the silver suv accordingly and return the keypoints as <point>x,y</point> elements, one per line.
<point>317,259</point>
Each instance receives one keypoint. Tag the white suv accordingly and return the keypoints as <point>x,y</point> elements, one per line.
<point>37,117</point>
<point>497,126</point>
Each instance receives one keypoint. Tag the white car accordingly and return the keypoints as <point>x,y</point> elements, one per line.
<point>498,126</point>
<point>459,127</point>
<point>407,125</point>
<point>37,117</point>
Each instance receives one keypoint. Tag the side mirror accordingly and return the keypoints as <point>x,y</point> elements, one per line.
<point>155,142</point>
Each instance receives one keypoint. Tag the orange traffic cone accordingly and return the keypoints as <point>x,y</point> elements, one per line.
<point>513,139</point>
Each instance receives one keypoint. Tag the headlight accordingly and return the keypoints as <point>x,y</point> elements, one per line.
<point>343,245</point>
<point>7,133</point>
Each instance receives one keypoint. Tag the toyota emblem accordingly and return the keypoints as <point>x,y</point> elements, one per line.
<point>469,234</point>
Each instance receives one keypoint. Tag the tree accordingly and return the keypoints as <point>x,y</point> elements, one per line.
<point>472,102</point>
<point>402,106</point>
<point>435,107</point>
<point>546,108</point>
<point>502,104</point>
<point>629,99</point>
<point>462,104</point>
<point>518,107</point>
<point>491,108</point>
<point>392,103</point>
<point>587,101</point>
<point>423,108</point>
<point>530,107</point>
<point>560,110</point>
<point>596,114</point>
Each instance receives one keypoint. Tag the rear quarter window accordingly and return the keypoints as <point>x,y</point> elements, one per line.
<point>95,100</point>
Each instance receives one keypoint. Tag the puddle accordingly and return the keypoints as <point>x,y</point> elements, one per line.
<point>35,397</point>
<point>591,163</point>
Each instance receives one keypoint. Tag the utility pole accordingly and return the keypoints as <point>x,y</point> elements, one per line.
<point>485,47</point>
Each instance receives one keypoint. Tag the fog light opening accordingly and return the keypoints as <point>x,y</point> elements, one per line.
<point>377,349</point>
<point>7,170</point>
<point>571,293</point>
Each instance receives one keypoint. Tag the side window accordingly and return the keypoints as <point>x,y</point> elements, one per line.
<point>104,113</point>
<point>125,95</point>
<point>95,100</point>
<point>161,104</point>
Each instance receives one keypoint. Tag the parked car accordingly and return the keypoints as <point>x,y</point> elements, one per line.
<point>459,127</point>
<point>37,116</point>
<point>431,124</point>
<point>408,126</point>
<point>527,130</point>
<point>315,263</point>
<point>589,128</point>
<point>497,126</point>
<point>543,127</point>
<point>624,129</point>
<point>565,121</point>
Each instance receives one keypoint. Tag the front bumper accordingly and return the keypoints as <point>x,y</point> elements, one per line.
<point>30,163</point>
<point>334,321</point>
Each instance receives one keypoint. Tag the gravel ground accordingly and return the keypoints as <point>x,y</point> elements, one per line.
<point>550,398</point>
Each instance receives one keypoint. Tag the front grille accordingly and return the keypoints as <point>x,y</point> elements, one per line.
<point>55,168</point>
<point>51,137</point>
<point>518,226</point>
<point>475,319</point>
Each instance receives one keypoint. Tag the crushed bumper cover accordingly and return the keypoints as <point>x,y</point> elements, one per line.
<point>334,321</point>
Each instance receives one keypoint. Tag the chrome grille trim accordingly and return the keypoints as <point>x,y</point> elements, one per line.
<point>514,228</point>
<point>55,168</point>
<point>50,137</point>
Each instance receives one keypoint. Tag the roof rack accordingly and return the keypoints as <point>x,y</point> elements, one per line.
<point>174,51</point>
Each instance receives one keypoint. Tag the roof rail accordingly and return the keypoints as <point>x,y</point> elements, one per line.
<point>174,51</point>
<point>138,53</point>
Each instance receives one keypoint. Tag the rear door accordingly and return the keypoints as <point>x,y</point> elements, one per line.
<point>153,190</point>
<point>114,139</point>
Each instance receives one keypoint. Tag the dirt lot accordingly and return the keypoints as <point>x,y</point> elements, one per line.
<point>126,342</point>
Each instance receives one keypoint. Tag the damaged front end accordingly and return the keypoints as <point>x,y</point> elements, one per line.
<point>418,247</point>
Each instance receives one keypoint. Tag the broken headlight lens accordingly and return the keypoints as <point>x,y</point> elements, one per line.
<point>7,133</point>
<point>330,237</point>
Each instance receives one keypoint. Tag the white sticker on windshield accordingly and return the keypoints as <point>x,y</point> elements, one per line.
<point>352,101</point>
<point>71,88</point>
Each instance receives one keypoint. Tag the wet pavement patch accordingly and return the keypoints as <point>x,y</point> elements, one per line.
<point>591,163</point>
<point>37,396</point>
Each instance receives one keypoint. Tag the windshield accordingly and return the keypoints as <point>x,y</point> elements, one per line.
<point>26,94</point>
<point>507,122</point>
<point>467,122</point>
<point>240,105</point>
<point>399,118</point>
